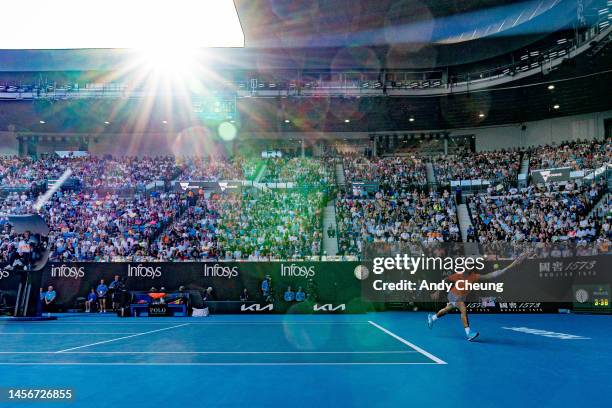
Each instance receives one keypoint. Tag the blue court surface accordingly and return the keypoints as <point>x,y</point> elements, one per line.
<point>376,360</point>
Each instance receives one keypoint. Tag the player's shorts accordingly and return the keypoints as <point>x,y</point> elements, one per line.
<point>453,298</point>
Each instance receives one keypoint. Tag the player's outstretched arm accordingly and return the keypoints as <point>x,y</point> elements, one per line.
<point>519,260</point>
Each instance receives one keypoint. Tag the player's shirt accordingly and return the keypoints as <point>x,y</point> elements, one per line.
<point>102,289</point>
<point>471,278</point>
<point>265,286</point>
<point>50,296</point>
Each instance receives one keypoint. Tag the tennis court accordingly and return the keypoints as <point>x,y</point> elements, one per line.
<point>378,359</point>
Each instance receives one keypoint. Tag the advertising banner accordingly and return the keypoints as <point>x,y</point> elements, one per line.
<point>9,281</point>
<point>207,185</point>
<point>499,278</point>
<point>328,286</point>
<point>543,176</point>
<point>360,188</point>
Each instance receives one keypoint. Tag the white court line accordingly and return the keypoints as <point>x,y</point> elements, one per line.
<point>409,344</point>
<point>63,333</point>
<point>212,364</point>
<point>214,352</point>
<point>135,323</point>
<point>122,338</point>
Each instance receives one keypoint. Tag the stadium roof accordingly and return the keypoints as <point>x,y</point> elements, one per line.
<point>74,24</point>
<point>579,87</point>
<point>402,33</point>
<point>347,23</point>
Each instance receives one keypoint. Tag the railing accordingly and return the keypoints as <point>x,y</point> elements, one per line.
<point>345,83</point>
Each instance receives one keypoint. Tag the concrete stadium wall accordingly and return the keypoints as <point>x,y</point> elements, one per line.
<point>158,145</point>
<point>8,144</point>
<point>198,142</point>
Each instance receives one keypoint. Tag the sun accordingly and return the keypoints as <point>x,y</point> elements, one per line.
<point>169,61</point>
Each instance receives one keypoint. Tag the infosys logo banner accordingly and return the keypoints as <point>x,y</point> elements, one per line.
<point>297,271</point>
<point>220,271</point>
<point>65,271</point>
<point>141,271</point>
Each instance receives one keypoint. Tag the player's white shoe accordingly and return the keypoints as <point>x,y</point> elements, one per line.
<point>430,320</point>
<point>472,336</point>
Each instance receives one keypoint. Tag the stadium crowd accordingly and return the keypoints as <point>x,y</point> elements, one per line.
<point>19,172</point>
<point>91,171</point>
<point>500,166</point>
<point>94,224</point>
<point>299,170</point>
<point>548,213</point>
<point>397,172</point>
<point>578,155</point>
<point>91,227</point>
<point>251,225</point>
<point>402,217</point>
<point>206,169</point>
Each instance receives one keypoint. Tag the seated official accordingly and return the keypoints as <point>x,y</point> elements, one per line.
<point>289,295</point>
<point>50,298</point>
<point>300,296</point>
<point>244,296</point>
<point>92,299</point>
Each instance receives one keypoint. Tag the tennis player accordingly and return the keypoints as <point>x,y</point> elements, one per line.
<point>457,297</point>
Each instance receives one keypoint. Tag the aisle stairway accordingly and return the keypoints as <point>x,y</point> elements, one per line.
<point>523,176</point>
<point>330,244</point>
<point>524,165</point>
<point>431,176</point>
<point>340,180</point>
<point>465,221</point>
